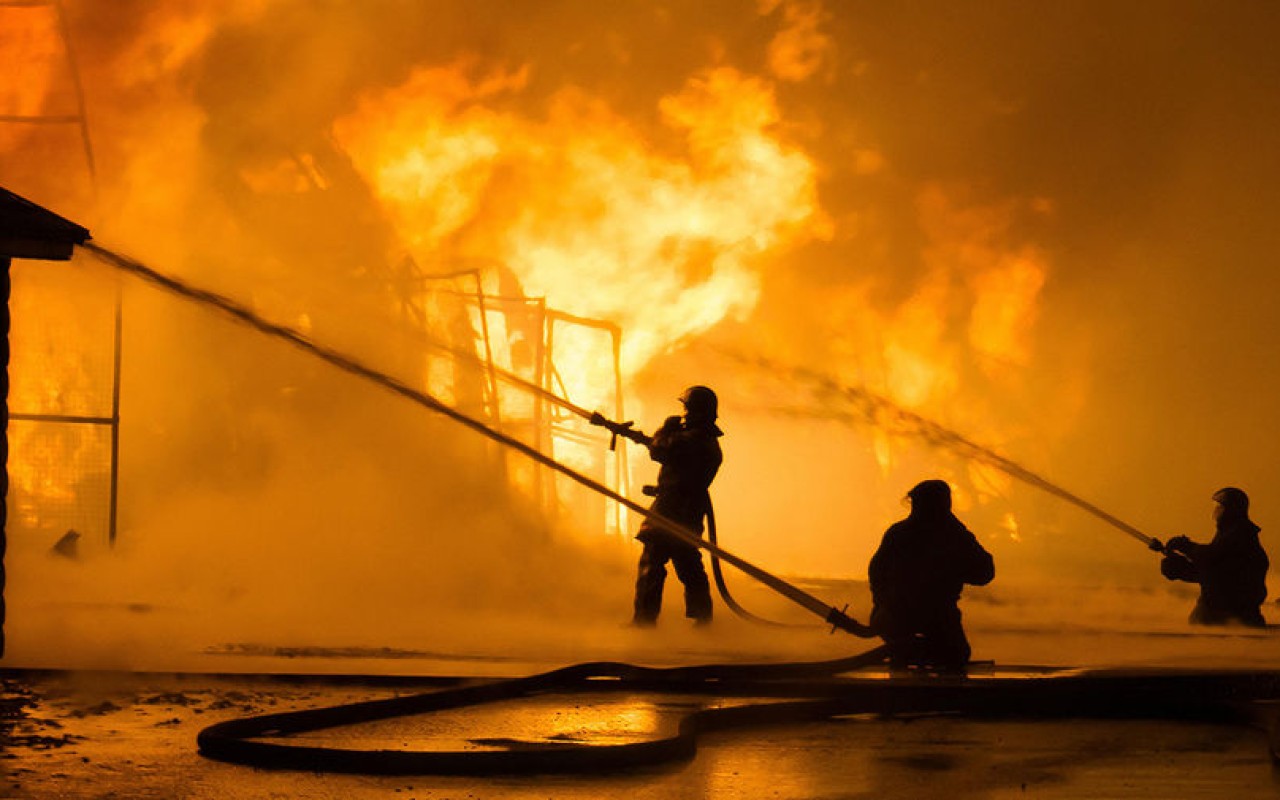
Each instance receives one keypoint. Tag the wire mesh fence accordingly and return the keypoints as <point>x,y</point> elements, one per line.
<point>62,373</point>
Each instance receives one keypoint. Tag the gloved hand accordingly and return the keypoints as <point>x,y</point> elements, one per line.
<point>672,424</point>
<point>1178,544</point>
<point>1177,567</point>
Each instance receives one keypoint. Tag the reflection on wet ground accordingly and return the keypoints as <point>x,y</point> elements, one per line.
<point>121,735</point>
<point>532,721</point>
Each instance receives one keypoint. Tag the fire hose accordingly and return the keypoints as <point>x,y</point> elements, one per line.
<point>628,431</point>
<point>718,575</point>
<point>240,740</point>
<point>797,692</point>
<point>827,695</point>
<point>832,615</point>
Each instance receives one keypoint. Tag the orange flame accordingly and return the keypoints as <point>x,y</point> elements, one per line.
<point>973,309</point>
<point>586,211</point>
<point>663,230</point>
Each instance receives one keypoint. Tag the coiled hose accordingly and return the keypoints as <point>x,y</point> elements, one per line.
<point>815,691</point>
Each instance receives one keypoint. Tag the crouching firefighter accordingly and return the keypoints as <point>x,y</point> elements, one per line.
<point>690,455</point>
<point>916,577</point>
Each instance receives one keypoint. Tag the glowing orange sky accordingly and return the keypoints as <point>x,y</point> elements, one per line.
<point>1048,227</point>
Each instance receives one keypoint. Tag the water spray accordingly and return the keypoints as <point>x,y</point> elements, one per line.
<point>884,413</point>
<point>262,741</point>
<point>832,615</point>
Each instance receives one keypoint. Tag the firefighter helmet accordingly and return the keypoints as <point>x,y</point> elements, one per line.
<point>1234,502</point>
<point>700,402</point>
<point>932,496</point>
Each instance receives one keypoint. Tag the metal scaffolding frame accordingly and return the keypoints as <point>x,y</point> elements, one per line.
<point>545,428</point>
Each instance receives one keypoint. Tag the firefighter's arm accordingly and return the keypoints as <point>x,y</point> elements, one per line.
<point>623,429</point>
<point>982,567</point>
<point>667,445</point>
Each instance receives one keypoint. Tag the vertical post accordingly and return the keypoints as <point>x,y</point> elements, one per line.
<point>540,408</point>
<point>620,455</point>
<point>4,419</point>
<point>495,412</point>
<point>548,496</point>
<point>65,31</point>
<point>115,420</point>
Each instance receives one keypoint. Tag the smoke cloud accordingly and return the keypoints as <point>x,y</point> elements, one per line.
<point>1044,228</point>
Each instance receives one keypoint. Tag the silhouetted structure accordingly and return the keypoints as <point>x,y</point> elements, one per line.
<point>26,231</point>
<point>1231,569</point>
<point>917,575</point>
<point>688,450</point>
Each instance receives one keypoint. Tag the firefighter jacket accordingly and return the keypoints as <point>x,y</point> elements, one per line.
<point>922,565</point>
<point>690,456</point>
<point>1231,570</point>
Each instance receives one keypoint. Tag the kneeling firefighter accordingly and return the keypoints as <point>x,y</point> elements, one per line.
<point>917,575</point>
<point>688,449</point>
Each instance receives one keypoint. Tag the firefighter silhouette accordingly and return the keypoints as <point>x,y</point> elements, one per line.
<point>689,451</point>
<point>1231,569</point>
<point>917,574</point>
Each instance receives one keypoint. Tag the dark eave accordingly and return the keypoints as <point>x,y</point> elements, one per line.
<point>30,231</point>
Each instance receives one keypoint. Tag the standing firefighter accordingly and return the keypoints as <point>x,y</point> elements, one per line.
<point>688,450</point>
<point>1231,569</point>
<point>916,577</point>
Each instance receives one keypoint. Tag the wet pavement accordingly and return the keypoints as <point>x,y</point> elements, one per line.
<point>125,693</point>
<point>132,735</point>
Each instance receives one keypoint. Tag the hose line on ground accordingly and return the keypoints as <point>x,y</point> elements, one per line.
<point>797,692</point>
<point>1250,697</point>
<point>239,741</point>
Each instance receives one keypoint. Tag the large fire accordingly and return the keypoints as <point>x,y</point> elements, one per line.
<point>586,211</point>
<point>662,219</point>
<point>900,241</point>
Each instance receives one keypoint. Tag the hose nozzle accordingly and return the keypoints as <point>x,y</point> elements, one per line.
<point>624,429</point>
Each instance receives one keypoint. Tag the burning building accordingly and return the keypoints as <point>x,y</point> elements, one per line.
<point>1014,246</point>
<point>976,219</point>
